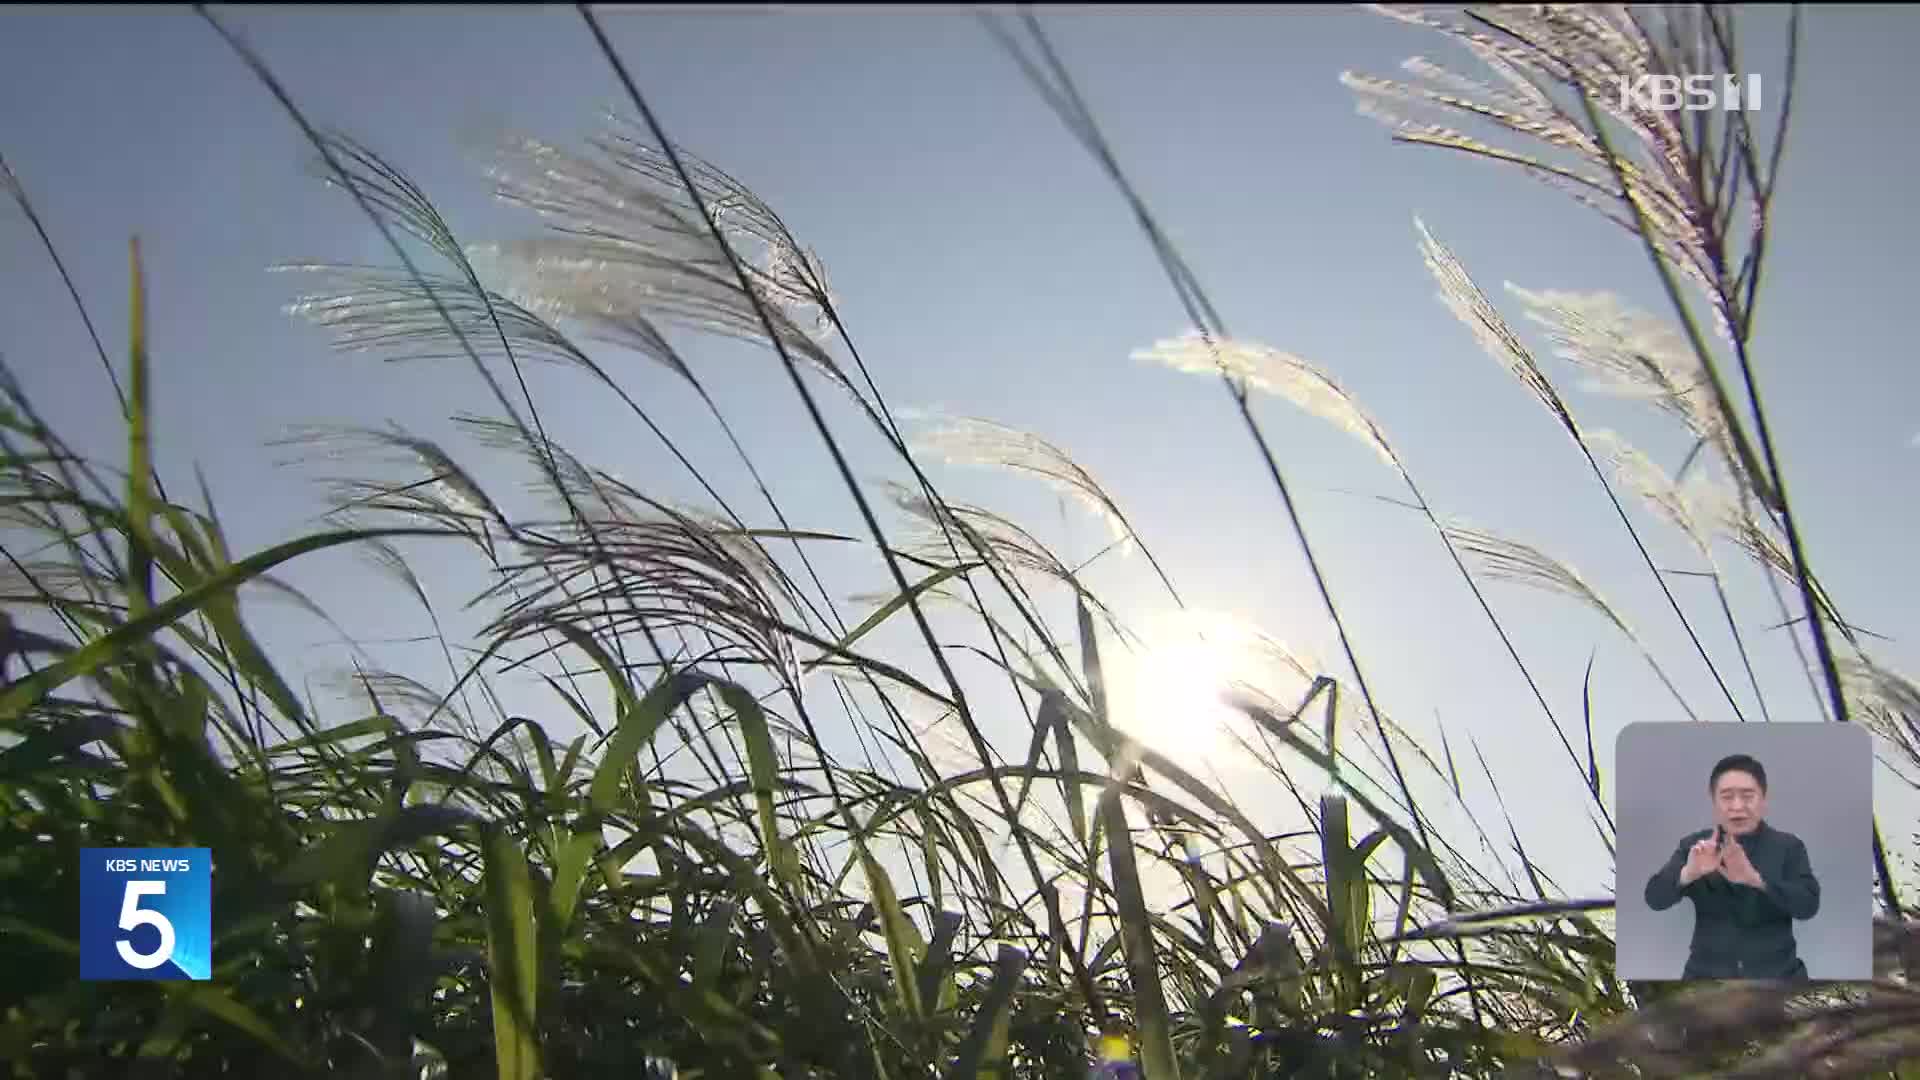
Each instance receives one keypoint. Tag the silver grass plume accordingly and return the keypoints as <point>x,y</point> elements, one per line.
<point>944,528</point>
<point>1509,560</point>
<point>627,251</point>
<point>447,494</point>
<point>662,572</point>
<point>405,696</point>
<point>1687,507</point>
<point>997,535</point>
<point>1697,186</point>
<point>618,507</point>
<point>389,311</point>
<point>577,483</point>
<point>1513,561</point>
<point>1884,688</point>
<point>1761,539</point>
<point>973,441</point>
<point>1888,701</point>
<point>1489,327</point>
<point>1533,52</point>
<point>1634,354</point>
<point>1261,367</point>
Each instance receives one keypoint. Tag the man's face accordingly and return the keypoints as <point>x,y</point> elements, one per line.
<point>1738,802</point>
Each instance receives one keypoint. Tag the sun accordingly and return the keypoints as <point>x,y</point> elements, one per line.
<point>1171,689</point>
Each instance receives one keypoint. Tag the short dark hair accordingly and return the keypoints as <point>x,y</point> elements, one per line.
<point>1738,763</point>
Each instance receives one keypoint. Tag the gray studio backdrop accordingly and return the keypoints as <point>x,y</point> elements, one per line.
<point>1819,788</point>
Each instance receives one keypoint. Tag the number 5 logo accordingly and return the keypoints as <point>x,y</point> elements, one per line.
<point>146,913</point>
<point>133,916</point>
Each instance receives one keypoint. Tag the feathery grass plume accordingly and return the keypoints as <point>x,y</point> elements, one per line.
<point>386,310</point>
<point>988,533</point>
<point>1877,686</point>
<point>419,316</point>
<point>1585,52</point>
<point>1886,702</point>
<point>447,494</point>
<point>394,198</point>
<point>791,277</point>
<point>1275,372</point>
<point>1760,538</point>
<point>1679,505</point>
<point>664,571</point>
<point>627,250</point>
<point>973,441</point>
<point>1639,356</point>
<point>744,548</point>
<point>1691,507</point>
<point>401,694</point>
<point>1681,181</point>
<point>1489,327</point>
<point>578,484</point>
<point>1473,308</point>
<point>371,305</point>
<point>625,505</point>
<point>1001,536</point>
<point>1509,560</point>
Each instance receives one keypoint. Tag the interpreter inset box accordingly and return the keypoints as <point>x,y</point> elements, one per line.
<point>1745,851</point>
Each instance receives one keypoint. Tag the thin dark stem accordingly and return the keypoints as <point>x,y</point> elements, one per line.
<point>1659,579</point>
<point>820,425</point>
<point>1774,478</point>
<point>1072,110</point>
<point>1740,644</point>
<point>1066,98</point>
<point>60,266</point>
<point>1506,641</point>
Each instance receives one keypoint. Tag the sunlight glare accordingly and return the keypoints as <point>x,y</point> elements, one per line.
<point>1170,690</point>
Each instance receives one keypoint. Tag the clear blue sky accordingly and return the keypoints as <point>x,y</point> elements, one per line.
<point>985,267</point>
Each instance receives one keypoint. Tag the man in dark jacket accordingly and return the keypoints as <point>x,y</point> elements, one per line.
<point>1748,882</point>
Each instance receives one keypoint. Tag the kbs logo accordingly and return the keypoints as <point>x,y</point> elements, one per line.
<point>146,913</point>
<point>1691,93</point>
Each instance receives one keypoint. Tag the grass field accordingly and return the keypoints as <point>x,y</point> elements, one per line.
<point>666,869</point>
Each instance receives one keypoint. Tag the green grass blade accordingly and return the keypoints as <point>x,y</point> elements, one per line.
<point>904,947</point>
<point>636,723</point>
<point>513,968</point>
<point>1335,860</point>
<point>983,1054</point>
<point>899,603</point>
<point>87,659</point>
<point>715,935</point>
<point>139,448</point>
<point>1136,923</point>
<point>1069,765</point>
<point>379,724</point>
<point>937,988</point>
<point>347,857</point>
<point>763,768</point>
<point>218,1002</point>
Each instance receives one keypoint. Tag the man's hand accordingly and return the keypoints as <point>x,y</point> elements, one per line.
<point>1703,858</point>
<point>1737,867</point>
